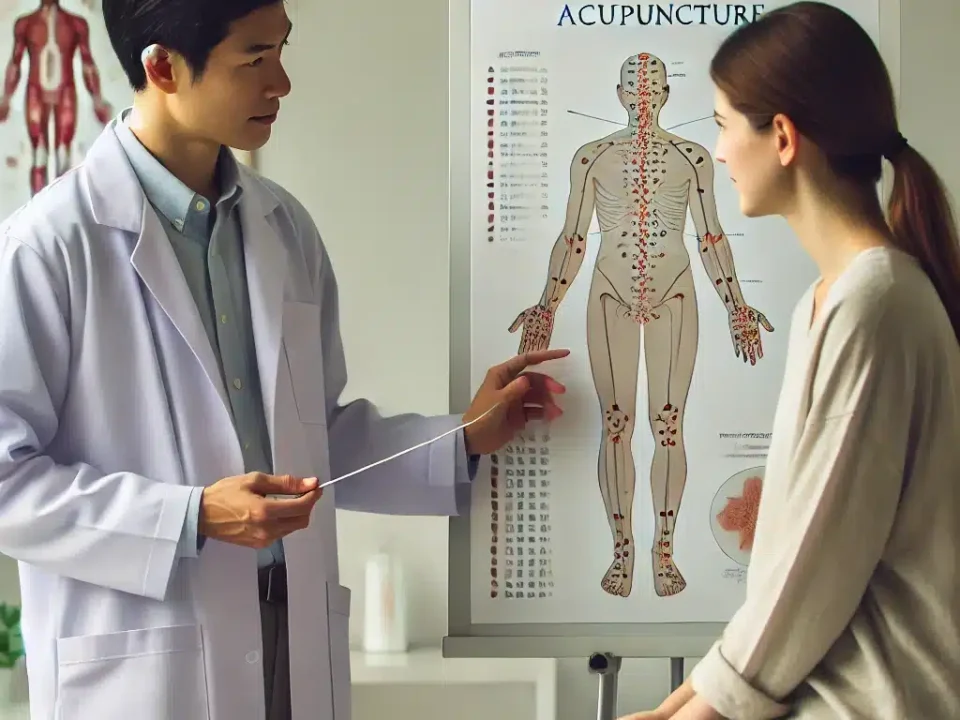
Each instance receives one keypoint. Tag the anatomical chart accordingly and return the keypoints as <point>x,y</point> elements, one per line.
<point>61,85</point>
<point>603,223</point>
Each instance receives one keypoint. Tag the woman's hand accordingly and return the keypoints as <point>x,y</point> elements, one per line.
<point>697,708</point>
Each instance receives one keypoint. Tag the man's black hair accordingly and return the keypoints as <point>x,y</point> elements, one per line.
<point>192,28</point>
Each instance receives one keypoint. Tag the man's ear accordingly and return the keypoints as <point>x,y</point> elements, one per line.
<point>158,65</point>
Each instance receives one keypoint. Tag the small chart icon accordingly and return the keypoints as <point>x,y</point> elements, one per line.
<point>733,514</point>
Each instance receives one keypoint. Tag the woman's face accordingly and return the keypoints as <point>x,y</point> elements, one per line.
<point>753,158</point>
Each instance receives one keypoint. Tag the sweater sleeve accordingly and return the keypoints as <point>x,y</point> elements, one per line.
<point>824,522</point>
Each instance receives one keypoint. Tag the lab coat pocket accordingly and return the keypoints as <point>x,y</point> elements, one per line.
<point>304,350</point>
<point>338,618</point>
<point>150,674</point>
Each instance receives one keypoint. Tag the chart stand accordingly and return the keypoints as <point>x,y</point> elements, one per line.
<point>676,673</point>
<point>607,666</point>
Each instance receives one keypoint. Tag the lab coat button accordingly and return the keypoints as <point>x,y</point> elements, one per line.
<point>253,657</point>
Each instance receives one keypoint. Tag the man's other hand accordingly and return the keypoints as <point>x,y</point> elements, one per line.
<point>238,510</point>
<point>522,397</point>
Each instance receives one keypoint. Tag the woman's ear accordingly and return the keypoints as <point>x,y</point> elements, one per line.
<point>786,137</point>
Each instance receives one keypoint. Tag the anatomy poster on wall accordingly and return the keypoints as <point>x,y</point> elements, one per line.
<point>61,85</point>
<point>602,222</point>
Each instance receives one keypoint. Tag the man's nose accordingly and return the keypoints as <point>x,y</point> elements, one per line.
<point>280,87</point>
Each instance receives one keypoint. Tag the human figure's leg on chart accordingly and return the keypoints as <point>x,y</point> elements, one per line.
<point>670,350</point>
<point>65,127</point>
<point>613,341</point>
<point>38,124</point>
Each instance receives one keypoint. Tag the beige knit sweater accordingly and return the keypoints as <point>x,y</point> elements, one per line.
<point>853,591</point>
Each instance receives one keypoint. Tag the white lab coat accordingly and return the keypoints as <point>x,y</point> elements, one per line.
<point>112,407</point>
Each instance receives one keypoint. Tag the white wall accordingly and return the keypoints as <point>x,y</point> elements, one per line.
<point>362,141</point>
<point>929,91</point>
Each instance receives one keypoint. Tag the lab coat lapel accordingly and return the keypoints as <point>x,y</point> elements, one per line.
<point>118,201</point>
<point>155,261</point>
<point>266,278</point>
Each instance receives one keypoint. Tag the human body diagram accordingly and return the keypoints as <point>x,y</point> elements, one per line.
<point>51,37</point>
<point>641,182</point>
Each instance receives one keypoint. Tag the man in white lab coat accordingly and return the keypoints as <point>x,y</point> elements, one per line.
<point>170,359</point>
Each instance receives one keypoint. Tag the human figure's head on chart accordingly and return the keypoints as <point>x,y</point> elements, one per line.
<point>806,113</point>
<point>206,72</point>
<point>643,88</point>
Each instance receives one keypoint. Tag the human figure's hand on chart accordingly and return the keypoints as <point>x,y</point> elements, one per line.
<point>745,323</point>
<point>103,110</point>
<point>537,322</point>
<point>516,396</point>
<point>240,510</point>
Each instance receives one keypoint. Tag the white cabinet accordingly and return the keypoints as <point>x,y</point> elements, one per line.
<point>423,684</point>
<point>419,684</point>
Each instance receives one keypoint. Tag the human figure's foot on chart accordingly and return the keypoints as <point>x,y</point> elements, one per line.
<point>667,579</point>
<point>618,579</point>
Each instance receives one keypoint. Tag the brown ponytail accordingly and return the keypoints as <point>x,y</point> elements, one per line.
<point>924,226</point>
<point>813,63</point>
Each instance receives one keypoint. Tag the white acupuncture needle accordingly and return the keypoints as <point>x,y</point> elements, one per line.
<point>410,449</point>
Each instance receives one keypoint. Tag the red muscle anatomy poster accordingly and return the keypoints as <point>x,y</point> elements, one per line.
<point>61,85</point>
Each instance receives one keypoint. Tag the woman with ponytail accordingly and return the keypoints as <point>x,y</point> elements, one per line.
<point>853,593</point>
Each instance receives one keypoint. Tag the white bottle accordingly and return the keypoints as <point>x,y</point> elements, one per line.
<point>385,611</point>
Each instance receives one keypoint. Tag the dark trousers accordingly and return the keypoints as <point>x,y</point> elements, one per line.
<point>276,649</point>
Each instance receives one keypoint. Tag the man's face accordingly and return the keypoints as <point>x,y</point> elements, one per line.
<point>237,97</point>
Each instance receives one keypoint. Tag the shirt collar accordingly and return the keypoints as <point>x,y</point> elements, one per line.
<point>181,206</point>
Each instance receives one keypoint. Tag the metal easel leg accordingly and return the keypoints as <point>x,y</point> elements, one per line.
<point>607,666</point>
<point>676,673</point>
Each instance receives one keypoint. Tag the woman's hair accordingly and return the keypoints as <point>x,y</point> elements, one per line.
<point>813,63</point>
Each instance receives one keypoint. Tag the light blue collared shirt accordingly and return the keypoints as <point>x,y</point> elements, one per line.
<point>208,240</point>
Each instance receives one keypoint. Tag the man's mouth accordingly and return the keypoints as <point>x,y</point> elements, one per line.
<point>265,119</point>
